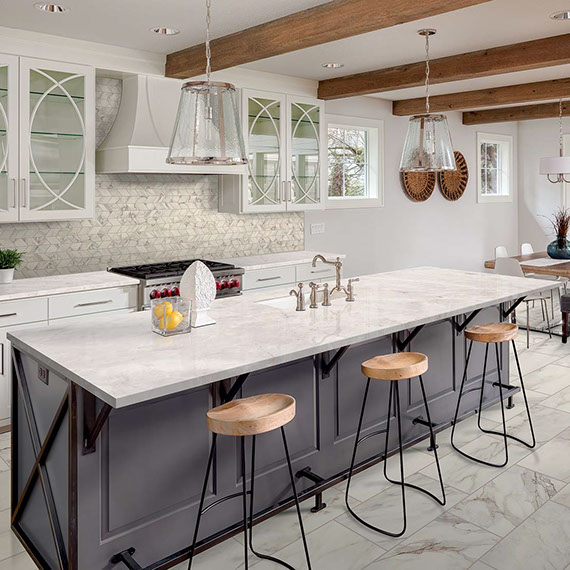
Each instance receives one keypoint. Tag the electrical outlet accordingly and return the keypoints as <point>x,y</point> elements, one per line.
<point>317,228</point>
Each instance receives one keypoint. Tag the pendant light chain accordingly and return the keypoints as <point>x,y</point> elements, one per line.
<point>560,127</point>
<point>427,74</point>
<point>208,49</point>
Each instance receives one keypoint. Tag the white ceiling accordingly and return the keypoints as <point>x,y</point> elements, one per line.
<point>126,23</point>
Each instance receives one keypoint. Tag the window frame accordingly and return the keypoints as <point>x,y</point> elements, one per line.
<point>501,140</point>
<point>375,159</point>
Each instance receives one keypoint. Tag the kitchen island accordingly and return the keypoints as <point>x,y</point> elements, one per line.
<point>109,434</point>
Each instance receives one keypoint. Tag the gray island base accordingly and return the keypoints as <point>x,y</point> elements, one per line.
<point>109,434</point>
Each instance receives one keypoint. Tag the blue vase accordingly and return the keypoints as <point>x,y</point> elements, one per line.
<point>559,248</point>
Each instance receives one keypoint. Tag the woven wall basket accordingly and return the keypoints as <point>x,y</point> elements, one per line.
<point>418,185</point>
<point>454,182</point>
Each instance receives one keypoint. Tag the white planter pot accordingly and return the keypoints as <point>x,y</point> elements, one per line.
<point>6,275</point>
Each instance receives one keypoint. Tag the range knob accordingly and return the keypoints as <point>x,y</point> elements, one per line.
<point>235,283</point>
<point>225,285</point>
<point>175,292</point>
<point>166,293</point>
<point>155,294</point>
<point>218,285</point>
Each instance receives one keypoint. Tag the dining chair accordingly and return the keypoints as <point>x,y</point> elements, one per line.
<point>511,266</point>
<point>501,251</point>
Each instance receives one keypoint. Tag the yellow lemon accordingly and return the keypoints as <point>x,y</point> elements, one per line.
<point>172,320</point>
<point>162,308</point>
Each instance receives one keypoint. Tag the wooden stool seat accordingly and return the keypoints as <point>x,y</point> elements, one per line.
<point>252,416</point>
<point>399,366</point>
<point>492,332</point>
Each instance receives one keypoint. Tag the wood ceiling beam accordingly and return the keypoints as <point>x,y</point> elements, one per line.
<point>328,22</point>
<point>522,113</point>
<point>510,95</point>
<point>534,54</point>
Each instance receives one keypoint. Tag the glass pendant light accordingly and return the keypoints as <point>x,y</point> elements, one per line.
<point>557,168</point>
<point>207,128</point>
<point>428,145</point>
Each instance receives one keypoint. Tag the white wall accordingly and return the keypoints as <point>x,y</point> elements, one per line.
<point>538,197</point>
<point>403,233</point>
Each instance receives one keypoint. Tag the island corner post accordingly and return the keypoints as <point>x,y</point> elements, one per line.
<point>94,487</point>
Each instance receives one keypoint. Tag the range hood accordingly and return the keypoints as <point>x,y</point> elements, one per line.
<point>140,137</point>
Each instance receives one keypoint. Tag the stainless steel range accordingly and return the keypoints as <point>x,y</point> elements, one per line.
<point>163,279</point>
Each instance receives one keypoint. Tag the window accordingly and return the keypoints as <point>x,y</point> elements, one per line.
<point>494,168</point>
<point>354,162</point>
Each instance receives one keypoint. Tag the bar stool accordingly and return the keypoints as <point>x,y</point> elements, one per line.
<point>492,333</point>
<point>250,417</point>
<point>394,368</point>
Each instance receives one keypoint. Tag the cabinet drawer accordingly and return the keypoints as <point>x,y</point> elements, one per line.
<point>23,311</point>
<point>88,302</point>
<point>307,272</point>
<point>90,316</point>
<point>259,278</point>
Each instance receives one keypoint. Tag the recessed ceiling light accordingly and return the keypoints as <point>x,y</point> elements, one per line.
<point>165,31</point>
<point>333,65</point>
<point>51,8</point>
<point>563,15</point>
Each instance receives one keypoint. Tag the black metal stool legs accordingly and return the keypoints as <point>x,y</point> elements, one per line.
<point>248,525</point>
<point>500,385</point>
<point>266,556</point>
<point>394,394</point>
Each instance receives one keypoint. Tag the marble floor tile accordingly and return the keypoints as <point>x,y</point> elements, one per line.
<point>548,380</point>
<point>480,566</point>
<point>228,555</point>
<point>560,400</point>
<point>331,547</point>
<point>553,347</point>
<point>385,510</point>
<point>565,360</point>
<point>493,413</point>
<point>21,561</point>
<point>4,490</point>
<point>547,423</point>
<point>541,542</point>
<point>9,545</point>
<point>563,497</point>
<point>467,475</point>
<point>531,361</point>
<point>283,529</point>
<point>447,543</point>
<point>506,501</point>
<point>368,483</point>
<point>552,458</point>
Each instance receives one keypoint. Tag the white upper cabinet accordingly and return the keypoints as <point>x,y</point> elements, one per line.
<point>284,137</point>
<point>9,137</point>
<point>48,144</point>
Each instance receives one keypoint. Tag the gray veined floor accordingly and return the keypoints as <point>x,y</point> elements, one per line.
<point>514,518</point>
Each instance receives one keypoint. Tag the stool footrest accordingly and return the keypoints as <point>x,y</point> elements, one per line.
<point>223,500</point>
<point>420,420</point>
<point>126,557</point>
<point>368,436</point>
<point>504,386</point>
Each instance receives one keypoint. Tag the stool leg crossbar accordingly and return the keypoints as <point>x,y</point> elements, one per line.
<point>501,386</point>
<point>394,395</point>
<point>248,521</point>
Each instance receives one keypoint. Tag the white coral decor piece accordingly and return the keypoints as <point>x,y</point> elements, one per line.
<point>198,285</point>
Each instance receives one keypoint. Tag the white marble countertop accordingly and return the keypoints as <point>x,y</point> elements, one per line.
<point>122,362</point>
<point>270,260</point>
<point>57,284</point>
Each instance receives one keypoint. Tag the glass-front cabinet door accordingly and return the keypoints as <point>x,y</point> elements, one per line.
<point>264,130</point>
<point>305,137</point>
<point>57,140</point>
<point>8,138</point>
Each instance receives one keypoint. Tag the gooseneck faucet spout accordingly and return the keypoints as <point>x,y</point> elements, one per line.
<point>338,265</point>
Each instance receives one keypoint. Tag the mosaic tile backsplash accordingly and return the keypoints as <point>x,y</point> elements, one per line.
<point>148,218</point>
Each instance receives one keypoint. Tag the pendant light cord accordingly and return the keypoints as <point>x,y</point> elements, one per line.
<point>208,49</point>
<point>427,74</point>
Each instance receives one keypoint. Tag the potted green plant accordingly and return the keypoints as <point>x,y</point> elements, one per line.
<point>560,247</point>
<point>9,260</point>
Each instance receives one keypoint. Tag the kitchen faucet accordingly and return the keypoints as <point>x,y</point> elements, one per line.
<point>338,265</point>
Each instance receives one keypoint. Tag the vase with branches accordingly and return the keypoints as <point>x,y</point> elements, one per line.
<point>560,247</point>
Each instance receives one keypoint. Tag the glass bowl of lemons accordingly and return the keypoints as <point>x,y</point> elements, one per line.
<point>171,315</point>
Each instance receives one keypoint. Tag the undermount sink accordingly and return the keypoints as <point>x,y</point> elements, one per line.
<point>289,302</point>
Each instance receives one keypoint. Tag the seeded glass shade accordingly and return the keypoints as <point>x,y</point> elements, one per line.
<point>428,145</point>
<point>207,128</point>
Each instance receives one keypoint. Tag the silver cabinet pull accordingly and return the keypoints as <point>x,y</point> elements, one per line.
<point>321,271</point>
<point>283,191</point>
<point>2,358</point>
<point>8,315</point>
<point>289,191</point>
<point>14,193</point>
<point>23,193</point>
<point>270,278</point>
<point>92,303</point>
